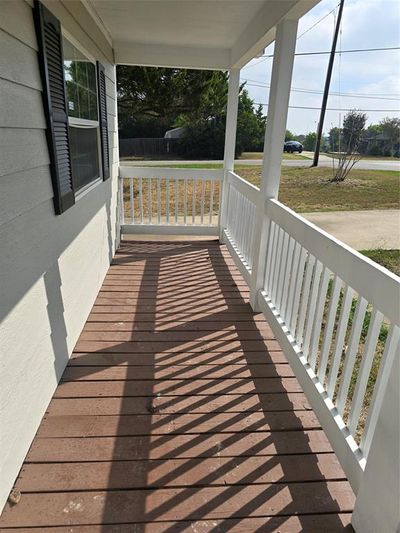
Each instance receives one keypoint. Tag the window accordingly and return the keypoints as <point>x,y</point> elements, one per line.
<point>75,105</point>
<point>83,115</point>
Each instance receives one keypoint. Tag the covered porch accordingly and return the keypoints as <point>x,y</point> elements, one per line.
<point>221,383</point>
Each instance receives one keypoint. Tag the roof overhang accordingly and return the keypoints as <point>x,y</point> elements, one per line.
<point>202,34</point>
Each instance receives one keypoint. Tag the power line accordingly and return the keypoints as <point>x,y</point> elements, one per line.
<point>352,51</point>
<point>337,109</point>
<point>254,83</point>
<point>299,37</point>
<point>318,21</point>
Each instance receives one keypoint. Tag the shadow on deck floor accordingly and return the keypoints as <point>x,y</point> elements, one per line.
<point>179,412</point>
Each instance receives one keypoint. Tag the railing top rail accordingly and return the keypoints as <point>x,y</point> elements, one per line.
<point>127,171</point>
<point>374,282</point>
<point>244,187</point>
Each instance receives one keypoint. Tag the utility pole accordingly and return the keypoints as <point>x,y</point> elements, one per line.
<point>327,85</point>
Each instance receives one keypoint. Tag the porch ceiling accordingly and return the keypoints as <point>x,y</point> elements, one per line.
<point>208,34</point>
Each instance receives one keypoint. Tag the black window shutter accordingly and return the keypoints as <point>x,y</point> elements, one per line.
<point>48,31</point>
<point>101,84</point>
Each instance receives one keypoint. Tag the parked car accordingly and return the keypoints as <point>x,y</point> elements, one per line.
<point>292,146</point>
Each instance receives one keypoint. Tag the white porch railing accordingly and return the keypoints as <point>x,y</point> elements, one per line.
<point>240,221</point>
<point>172,201</point>
<point>334,312</point>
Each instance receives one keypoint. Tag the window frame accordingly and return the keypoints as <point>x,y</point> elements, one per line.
<point>85,123</point>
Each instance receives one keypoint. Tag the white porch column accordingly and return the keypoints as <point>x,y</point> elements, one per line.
<point>230,141</point>
<point>285,44</point>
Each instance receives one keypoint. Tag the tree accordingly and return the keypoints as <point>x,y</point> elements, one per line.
<point>205,137</point>
<point>289,136</point>
<point>391,130</point>
<point>353,126</point>
<point>250,125</point>
<point>152,99</point>
<point>334,139</point>
<point>309,141</point>
<point>369,143</point>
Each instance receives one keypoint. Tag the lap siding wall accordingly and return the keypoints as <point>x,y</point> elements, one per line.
<point>51,266</point>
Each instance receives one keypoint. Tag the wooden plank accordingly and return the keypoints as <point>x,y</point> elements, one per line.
<point>91,389</point>
<point>182,333</point>
<point>106,426</point>
<point>177,372</point>
<point>180,327</point>
<point>240,320</point>
<point>185,358</point>
<point>180,302</point>
<point>191,472</point>
<point>208,306</point>
<point>131,448</point>
<point>188,252</point>
<point>175,337</point>
<point>168,504</point>
<point>177,290</point>
<point>233,403</point>
<point>136,282</point>
<point>132,347</point>
<point>164,264</point>
<point>328,523</point>
<point>174,293</point>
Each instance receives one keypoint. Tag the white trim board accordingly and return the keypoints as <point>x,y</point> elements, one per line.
<point>155,229</point>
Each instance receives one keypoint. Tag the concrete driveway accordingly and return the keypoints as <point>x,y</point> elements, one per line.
<point>362,230</point>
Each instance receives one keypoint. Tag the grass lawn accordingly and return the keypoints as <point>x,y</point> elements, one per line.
<point>371,157</point>
<point>259,155</point>
<point>309,190</point>
<point>390,259</point>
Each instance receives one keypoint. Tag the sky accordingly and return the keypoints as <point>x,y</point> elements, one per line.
<point>365,24</point>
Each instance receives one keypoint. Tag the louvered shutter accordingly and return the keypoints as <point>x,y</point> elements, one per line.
<point>101,84</point>
<point>49,38</point>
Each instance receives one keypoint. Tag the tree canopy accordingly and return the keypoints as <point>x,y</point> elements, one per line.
<point>153,100</point>
<point>353,126</point>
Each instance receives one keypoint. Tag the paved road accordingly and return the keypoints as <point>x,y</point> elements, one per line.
<point>362,230</point>
<point>325,161</point>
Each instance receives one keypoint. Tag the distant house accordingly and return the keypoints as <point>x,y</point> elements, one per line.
<point>379,144</point>
<point>175,133</point>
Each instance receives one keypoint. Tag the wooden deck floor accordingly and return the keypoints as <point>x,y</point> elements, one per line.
<point>179,412</point>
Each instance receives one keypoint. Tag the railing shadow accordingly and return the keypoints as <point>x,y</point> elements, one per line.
<point>206,400</point>
<point>232,300</point>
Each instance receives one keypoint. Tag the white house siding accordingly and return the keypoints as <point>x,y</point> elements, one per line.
<point>51,267</point>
